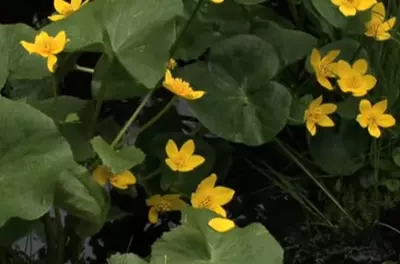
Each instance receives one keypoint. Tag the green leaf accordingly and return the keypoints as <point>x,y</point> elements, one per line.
<point>30,89</point>
<point>348,108</point>
<point>78,194</point>
<point>33,154</point>
<point>249,2</point>
<point>117,160</point>
<point>16,228</point>
<point>330,12</point>
<point>299,106</point>
<point>280,38</point>
<point>195,242</point>
<point>15,60</point>
<point>241,104</point>
<point>140,34</point>
<point>396,156</point>
<point>127,258</point>
<point>392,185</point>
<point>340,152</point>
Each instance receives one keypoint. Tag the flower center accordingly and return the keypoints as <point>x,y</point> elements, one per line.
<point>354,82</point>
<point>350,3</point>
<point>164,206</point>
<point>371,120</point>
<point>373,27</point>
<point>325,70</point>
<point>206,202</point>
<point>315,115</point>
<point>66,11</point>
<point>180,161</point>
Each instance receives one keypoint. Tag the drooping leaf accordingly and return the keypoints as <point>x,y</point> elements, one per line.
<point>117,160</point>
<point>33,154</point>
<point>195,242</point>
<point>128,258</point>
<point>240,100</point>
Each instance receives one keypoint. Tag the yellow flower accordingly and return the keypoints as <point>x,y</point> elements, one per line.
<point>182,159</point>
<point>47,47</point>
<point>221,225</point>
<point>217,1</point>
<point>324,68</point>
<point>209,197</point>
<point>317,114</point>
<point>120,180</point>
<point>64,9</point>
<point>377,27</point>
<point>161,204</point>
<point>350,7</point>
<point>180,87</point>
<point>374,117</point>
<point>171,64</point>
<point>354,79</point>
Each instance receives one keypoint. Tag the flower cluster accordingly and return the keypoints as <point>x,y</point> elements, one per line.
<point>352,79</point>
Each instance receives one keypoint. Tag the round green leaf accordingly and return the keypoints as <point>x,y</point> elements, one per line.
<point>340,152</point>
<point>33,155</point>
<point>196,243</point>
<point>330,12</point>
<point>279,37</point>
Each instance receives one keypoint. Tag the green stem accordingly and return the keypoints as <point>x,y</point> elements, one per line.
<point>132,119</point>
<point>51,239</point>
<point>294,13</point>
<point>60,237</point>
<point>99,102</point>
<point>389,226</point>
<point>151,175</point>
<point>309,174</point>
<point>156,117</point>
<point>84,69</point>
<point>375,152</point>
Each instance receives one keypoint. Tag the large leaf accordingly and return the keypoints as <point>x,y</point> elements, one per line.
<point>340,152</point>
<point>16,228</point>
<point>33,154</point>
<point>330,12</point>
<point>140,33</point>
<point>241,104</point>
<point>127,258</point>
<point>280,38</point>
<point>78,194</point>
<point>117,160</point>
<point>15,60</point>
<point>196,243</point>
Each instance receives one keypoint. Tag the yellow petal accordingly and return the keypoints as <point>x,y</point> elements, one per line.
<point>30,47</point>
<point>188,148</point>
<point>328,108</point>
<point>153,200</point>
<point>383,36</point>
<point>359,92</point>
<point>331,56</point>
<point>123,180</point>
<point>365,4</point>
<point>348,11</point>
<point>324,82</point>
<point>386,120</point>
<point>369,82</point>
<point>360,66</point>
<point>171,164</point>
<point>41,38</point>
<point>196,199</point>
<point>221,224</point>
<point>217,1</point>
<point>192,163</point>
<point>218,210</point>
<point>388,25</point>
<point>315,103</point>
<point>311,127</point>
<point>315,59</point>
<point>194,95</point>
<point>365,106</point>
<point>76,4</point>
<point>378,11</point>
<point>380,107</point>
<point>60,40</point>
<point>222,195</point>
<point>61,6</point>
<point>337,2</point>
<point>363,120</point>
<point>171,149</point>
<point>325,121</point>
<point>177,205</point>
<point>207,183</point>
<point>101,175</point>
<point>153,215</point>
<point>343,69</point>
<point>51,62</point>
<point>374,130</point>
<point>56,17</point>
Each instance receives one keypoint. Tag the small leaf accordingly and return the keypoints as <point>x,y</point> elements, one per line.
<point>117,160</point>
<point>128,258</point>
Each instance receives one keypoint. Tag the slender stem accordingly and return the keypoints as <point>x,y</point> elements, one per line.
<point>131,119</point>
<point>156,117</point>
<point>51,239</point>
<point>294,13</point>
<point>60,237</point>
<point>389,226</point>
<point>192,16</point>
<point>309,174</point>
<point>84,69</point>
<point>99,103</point>
<point>151,175</point>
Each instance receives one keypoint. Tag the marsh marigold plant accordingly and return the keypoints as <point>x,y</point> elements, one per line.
<point>180,87</point>
<point>212,197</point>
<point>47,47</point>
<point>182,159</point>
<point>317,115</point>
<point>162,204</point>
<point>378,27</point>
<point>353,79</point>
<point>65,9</point>
<point>351,7</point>
<point>325,67</point>
<point>373,117</point>
<point>120,180</point>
